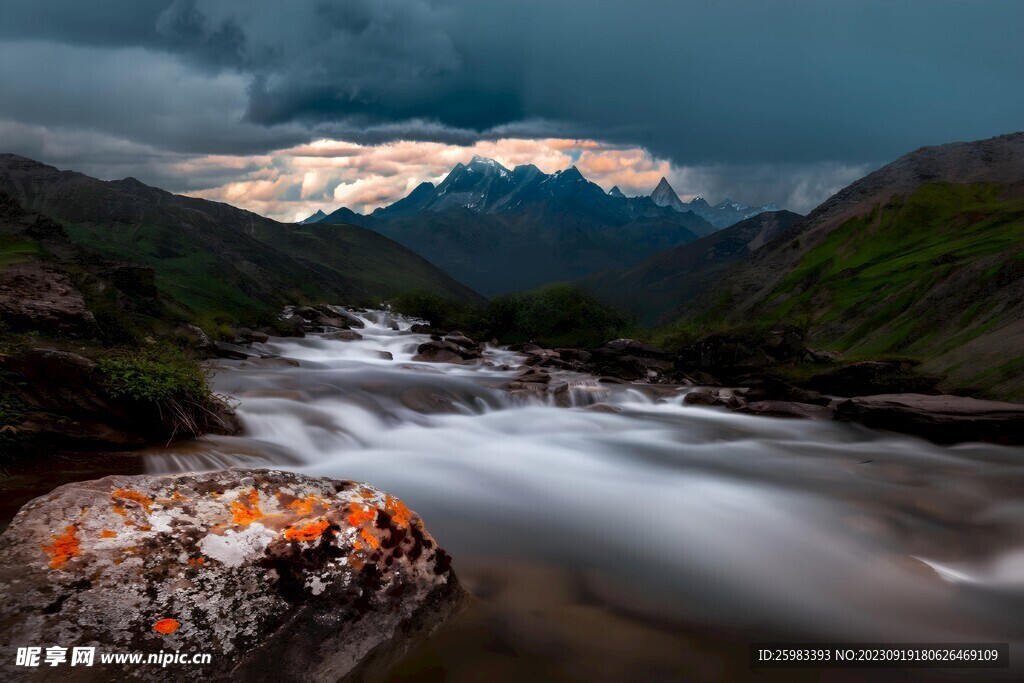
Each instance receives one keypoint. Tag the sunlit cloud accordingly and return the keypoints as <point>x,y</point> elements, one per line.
<point>293,183</point>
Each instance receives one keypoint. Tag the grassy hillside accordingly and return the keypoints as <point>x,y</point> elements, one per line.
<point>501,253</point>
<point>214,260</point>
<point>653,290</point>
<point>921,276</point>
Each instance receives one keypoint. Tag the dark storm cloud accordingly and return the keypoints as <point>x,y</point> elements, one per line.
<point>700,83</point>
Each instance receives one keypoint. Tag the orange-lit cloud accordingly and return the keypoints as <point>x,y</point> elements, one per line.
<point>293,183</point>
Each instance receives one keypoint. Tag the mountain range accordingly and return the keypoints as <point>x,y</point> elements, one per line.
<point>501,230</point>
<point>721,215</point>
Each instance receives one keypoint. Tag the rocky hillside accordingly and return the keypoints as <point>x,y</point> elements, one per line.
<point>212,258</point>
<point>923,258</point>
<point>655,289</point>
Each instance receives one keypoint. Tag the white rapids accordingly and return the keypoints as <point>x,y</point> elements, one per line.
<point>803,528</point>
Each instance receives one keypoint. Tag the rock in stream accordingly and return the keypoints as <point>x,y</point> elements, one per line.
<point>278,576</point>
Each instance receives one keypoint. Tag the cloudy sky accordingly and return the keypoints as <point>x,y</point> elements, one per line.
<point>284,107</point>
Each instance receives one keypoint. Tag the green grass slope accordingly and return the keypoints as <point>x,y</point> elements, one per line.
<point>655,289</point>
<point>921,259</point>
<point>216,260</point>
<point>920,276</point>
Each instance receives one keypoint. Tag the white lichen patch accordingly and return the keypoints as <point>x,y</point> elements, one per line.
<point>236,548</point>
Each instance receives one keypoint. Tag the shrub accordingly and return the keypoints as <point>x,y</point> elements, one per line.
<point>154,376</point>
<point>439,311</point>
<point>556,315</point>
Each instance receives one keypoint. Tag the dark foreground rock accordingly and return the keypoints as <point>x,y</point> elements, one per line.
<point>943,418</point>
<point>787,409</point>
<point>279,576</point>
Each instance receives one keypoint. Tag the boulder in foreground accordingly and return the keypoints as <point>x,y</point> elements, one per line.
<point>942,419</point>
<point>278,576</point>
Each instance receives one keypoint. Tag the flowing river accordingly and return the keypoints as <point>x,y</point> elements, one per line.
<point>640,538</point>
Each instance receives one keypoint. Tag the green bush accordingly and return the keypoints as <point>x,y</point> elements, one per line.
<point>157,376</point>
<point>439,311</point>
<point>555,315</point>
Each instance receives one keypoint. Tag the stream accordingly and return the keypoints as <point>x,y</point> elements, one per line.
<point>612,532</point>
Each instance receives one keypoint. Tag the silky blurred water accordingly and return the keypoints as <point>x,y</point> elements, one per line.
<point>803,528</point>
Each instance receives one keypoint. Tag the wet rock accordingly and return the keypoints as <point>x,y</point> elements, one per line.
<point>344,335</point>
<point>248,336</point>
<point>195,337</point>
<point>461,340</point>
<point>873,377</point>
<point>942,418</point>
<point>306,312</point>
<point>238,352</point>
<point>36,296</point>
<point>546,358</point>
<point>279,576</point>
<point>424,400</point>
<point>632,360</point>
<point>700,378</point>
<point>438,356</point>
<point>771,389</point>
<point>725,398</point>
<point>342,316</point>
<point>574,355</point>
<point>603,408</point>
<point>788,409</point>
<point>533,375</point>
<point>291,325</point>
<point>420,328</point>
<point>445,351</point>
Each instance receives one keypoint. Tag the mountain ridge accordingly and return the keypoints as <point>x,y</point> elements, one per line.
<point>213,258</point>
<point>484,185</point>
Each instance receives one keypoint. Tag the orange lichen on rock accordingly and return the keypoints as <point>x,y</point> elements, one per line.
<point>166,626</point>
<point>126,494</point>
<point>194,561</point>
<point>361,514</point>
<point>401,514</point>
<point>309,532</point>
<point>107,533</point>
<point>370,539</point>
<point>119,510</point>
<point>246,512</point>
<point>175,496</point>
<point>304,507</point>
<point>64,547</point>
